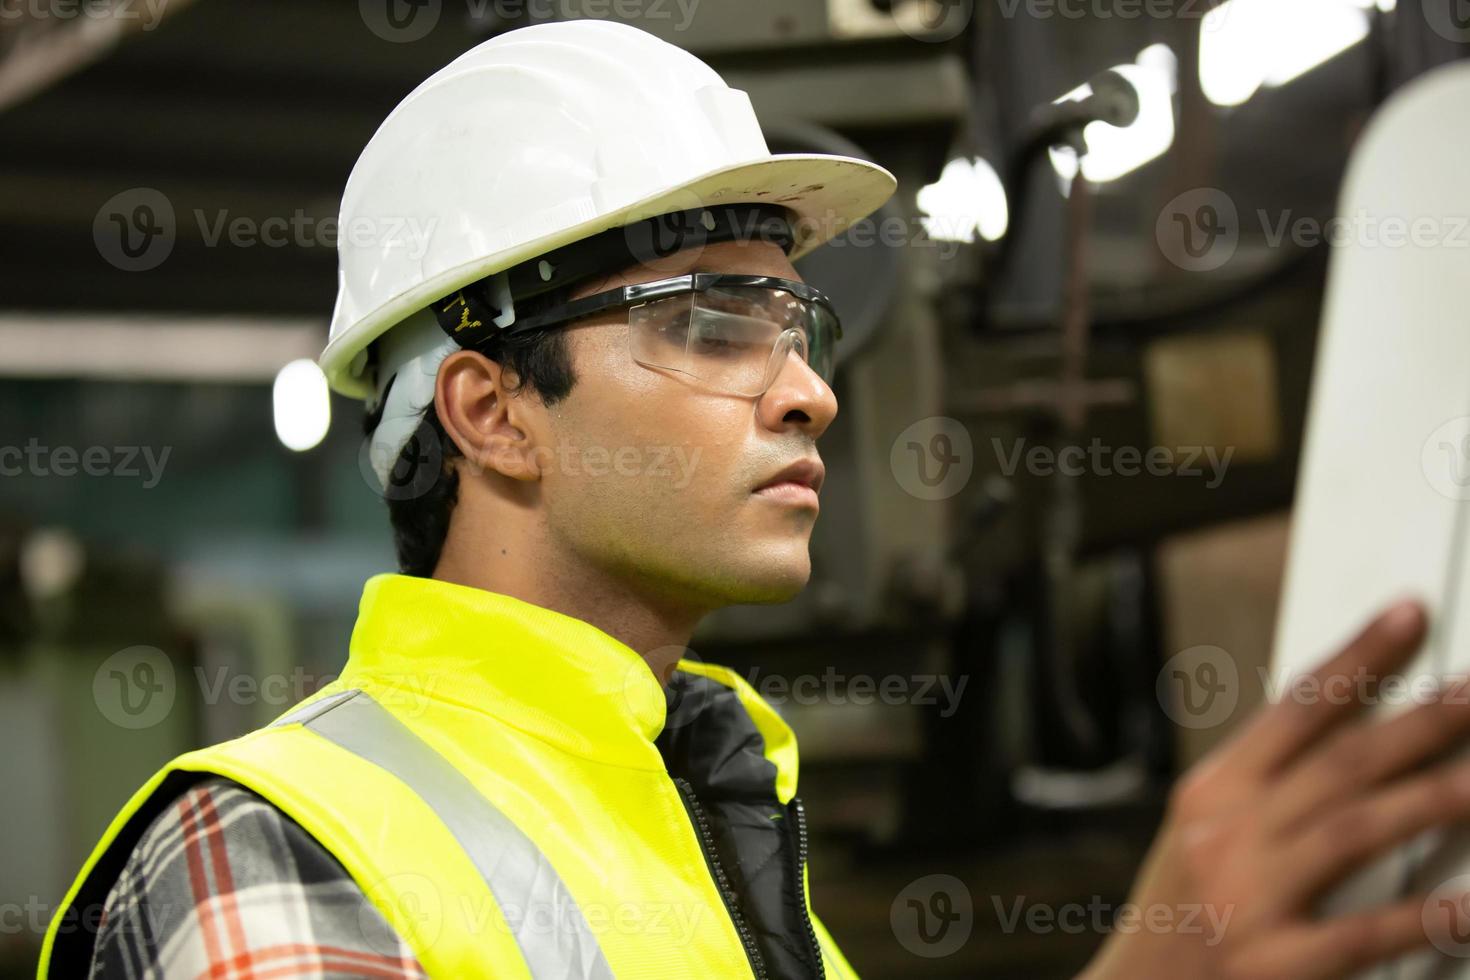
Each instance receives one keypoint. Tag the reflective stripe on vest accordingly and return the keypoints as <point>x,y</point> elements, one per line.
<point>515,871</point>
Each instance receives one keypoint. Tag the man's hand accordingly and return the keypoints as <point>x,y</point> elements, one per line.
<point>1310,790</point>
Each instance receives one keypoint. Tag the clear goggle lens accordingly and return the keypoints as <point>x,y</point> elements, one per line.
<point>735,339</point>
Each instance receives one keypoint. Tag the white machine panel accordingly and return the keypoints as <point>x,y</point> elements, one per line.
<point>1383,503</point>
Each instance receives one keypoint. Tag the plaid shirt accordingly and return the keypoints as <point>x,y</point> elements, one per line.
<point>223,885</point>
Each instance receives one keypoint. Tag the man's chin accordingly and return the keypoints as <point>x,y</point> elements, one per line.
<point>774,596</point>
<point>774,584</point>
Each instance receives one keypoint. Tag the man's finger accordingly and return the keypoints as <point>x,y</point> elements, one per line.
<point>1357,832</point>
<point>1283,731</point>
<point>1338,947</point>
<point>1357,757</point>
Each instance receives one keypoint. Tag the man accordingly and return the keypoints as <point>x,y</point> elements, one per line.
<point>596,391</point>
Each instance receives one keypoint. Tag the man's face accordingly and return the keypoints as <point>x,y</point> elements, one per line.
<point>655,476</point>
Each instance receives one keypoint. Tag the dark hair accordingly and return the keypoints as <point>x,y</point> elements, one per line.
<point>424,483</point>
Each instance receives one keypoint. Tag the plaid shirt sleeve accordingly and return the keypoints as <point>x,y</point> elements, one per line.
<point>224,885</point>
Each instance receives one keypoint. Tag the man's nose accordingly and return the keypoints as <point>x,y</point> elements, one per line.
<point>798,397</point>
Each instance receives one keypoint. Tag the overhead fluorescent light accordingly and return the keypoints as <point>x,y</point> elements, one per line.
<point>967,198</point>
<point>162,347</point>
<point>1113,151</point>
<point>302,404</point>
<point>1247,44</point>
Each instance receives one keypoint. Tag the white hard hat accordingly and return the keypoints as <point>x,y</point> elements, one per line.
<point>544,136</point>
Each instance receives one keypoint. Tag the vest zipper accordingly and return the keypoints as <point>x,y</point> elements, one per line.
<point>727,894</point>
<point>811,933</point>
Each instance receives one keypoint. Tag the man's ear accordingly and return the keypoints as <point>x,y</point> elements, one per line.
<point>494,426</point>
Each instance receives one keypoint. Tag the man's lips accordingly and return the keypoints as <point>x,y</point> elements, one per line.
<point>789,493</point>
<point>808,472</point>
<point>796,484</point>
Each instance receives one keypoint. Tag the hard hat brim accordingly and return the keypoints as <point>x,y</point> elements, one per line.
<point>826,192</point>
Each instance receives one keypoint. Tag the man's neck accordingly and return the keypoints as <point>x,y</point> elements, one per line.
<point>659,632</point>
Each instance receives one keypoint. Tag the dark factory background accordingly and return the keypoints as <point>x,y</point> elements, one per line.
<point>1071,410</point>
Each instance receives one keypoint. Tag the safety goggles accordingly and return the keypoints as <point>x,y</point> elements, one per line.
<point>733,333</point>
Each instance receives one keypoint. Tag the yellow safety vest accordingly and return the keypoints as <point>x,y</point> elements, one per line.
<point>513,791</point>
